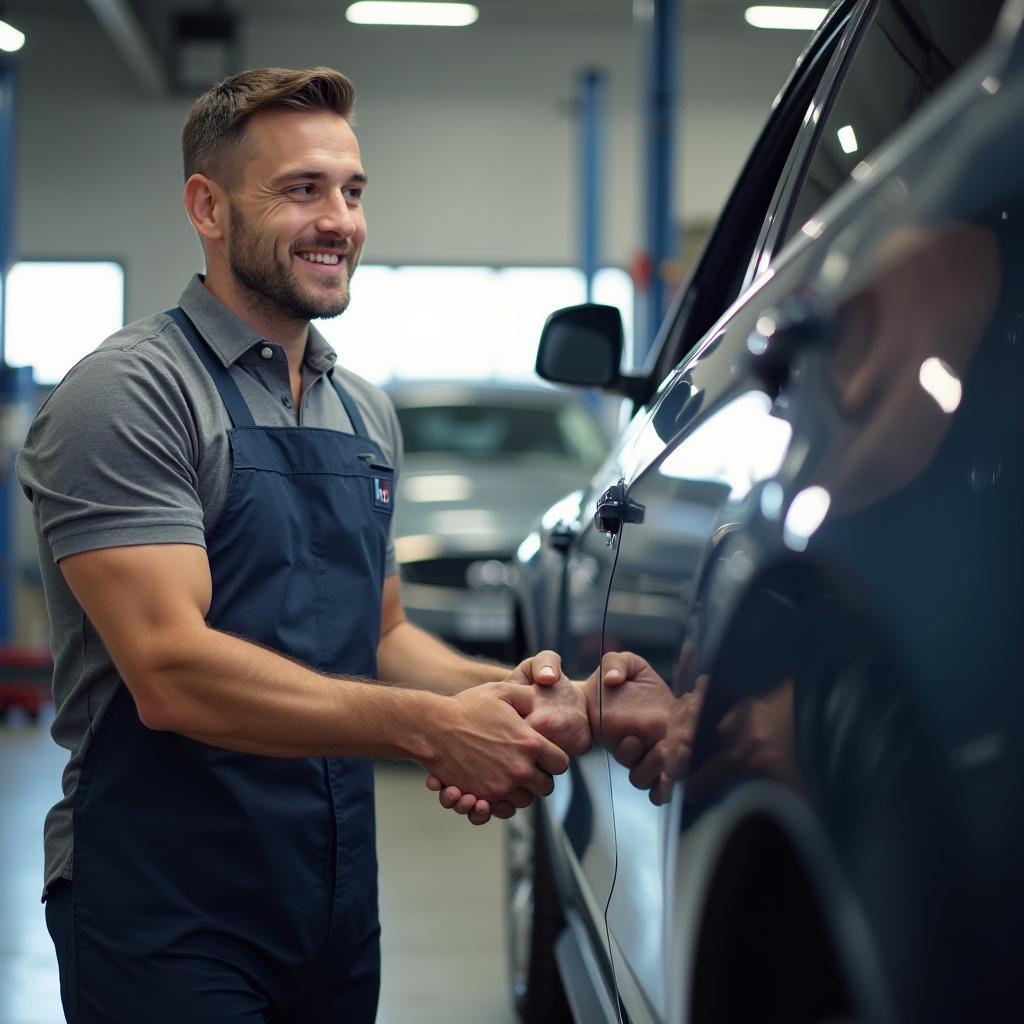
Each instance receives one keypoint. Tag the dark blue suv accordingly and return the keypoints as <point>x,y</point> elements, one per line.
<point>812,531</point>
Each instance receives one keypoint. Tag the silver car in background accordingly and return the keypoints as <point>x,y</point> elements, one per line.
<point>481,462</point>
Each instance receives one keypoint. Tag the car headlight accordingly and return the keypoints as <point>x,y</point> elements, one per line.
<point>489,574</point>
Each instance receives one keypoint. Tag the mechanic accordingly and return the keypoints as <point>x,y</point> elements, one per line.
<point>213,496</point>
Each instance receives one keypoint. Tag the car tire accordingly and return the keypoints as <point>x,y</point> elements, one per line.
<point>533,922</point>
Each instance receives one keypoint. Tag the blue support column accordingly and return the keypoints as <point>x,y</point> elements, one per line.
<point>592,88</point>
<point>17,405</point>
<point>8,96</point>
<point>17,394</point>
<point>658,21</point>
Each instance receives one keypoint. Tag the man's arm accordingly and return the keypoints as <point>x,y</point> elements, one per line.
<point>149,603</point>
<point>410,656</point>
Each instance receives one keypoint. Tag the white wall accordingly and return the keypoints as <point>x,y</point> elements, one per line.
<point>468,137</point>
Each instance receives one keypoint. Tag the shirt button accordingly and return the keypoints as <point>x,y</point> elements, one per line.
<point>286,401</point>
<point>267,352</point>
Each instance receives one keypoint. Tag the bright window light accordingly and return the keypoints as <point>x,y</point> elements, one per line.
<point>460,323</point>
<point>56,312</point>
<point>11,40</point>
<point>847,138</point>
<point>398,12</point>
<point>806,19</point>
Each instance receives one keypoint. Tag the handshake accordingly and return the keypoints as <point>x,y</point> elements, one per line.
<point>508,739</point>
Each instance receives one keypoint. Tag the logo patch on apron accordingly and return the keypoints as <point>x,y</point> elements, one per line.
<point>382,493</point>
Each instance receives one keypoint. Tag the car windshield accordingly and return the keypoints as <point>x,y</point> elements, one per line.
<point>503,429</point>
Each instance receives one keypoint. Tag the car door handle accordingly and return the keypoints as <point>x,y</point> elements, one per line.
<point>614,508</point>
<point>561,537</point>
<point>778,338</point>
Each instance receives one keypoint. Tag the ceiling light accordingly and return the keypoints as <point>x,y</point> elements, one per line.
<point>399,12</point>
<point>804,18</point>
<point>847,138</point>
<point>11,40</point>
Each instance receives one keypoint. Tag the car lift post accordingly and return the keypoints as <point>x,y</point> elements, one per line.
<point>657,23</point>
<point>16,390</point>
<point>592,91</point>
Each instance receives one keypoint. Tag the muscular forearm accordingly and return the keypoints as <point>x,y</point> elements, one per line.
<point>411,657</point>
<point>228,692</point>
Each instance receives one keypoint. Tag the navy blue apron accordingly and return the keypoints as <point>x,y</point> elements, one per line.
<point>214,886</point>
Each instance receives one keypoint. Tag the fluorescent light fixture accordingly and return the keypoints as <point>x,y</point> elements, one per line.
<point>806,19</point>
<point>400,12</point>
<point>847,138</point>
<point>11,40</point>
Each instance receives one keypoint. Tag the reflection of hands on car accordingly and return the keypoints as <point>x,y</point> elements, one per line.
<point>557,711</point>
<point>758,738</point>
<point>635,716</point>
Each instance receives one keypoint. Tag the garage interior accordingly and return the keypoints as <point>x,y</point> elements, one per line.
<point>473,141</point>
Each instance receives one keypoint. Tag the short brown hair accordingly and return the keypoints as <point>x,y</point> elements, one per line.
<point>218,119</point>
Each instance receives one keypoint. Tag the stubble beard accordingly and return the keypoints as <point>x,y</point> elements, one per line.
<point>273,286</point>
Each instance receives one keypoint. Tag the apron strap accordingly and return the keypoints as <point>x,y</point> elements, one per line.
<point>229,393</point>
<point>228,389</point>
<point>358,425</point>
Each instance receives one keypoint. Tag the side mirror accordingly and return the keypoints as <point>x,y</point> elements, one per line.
<point>582,345</point>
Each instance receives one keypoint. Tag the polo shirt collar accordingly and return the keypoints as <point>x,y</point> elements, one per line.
<point>230,338</point>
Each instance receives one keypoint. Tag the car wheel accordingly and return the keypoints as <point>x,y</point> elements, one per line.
<point>533,922</point>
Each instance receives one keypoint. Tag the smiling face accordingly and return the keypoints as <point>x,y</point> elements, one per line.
<point>296,224</point>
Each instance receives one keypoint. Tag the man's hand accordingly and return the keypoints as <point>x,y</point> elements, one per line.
<point>490,750</point>
<point>559,712</point>
<point>543,669</point>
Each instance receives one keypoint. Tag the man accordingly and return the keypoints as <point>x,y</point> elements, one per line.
<point>213,500</point>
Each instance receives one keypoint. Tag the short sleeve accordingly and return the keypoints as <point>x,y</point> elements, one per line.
<point>110,460</point>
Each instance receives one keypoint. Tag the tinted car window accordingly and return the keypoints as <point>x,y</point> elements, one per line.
<point>911,48</point>
<point>485,431</point>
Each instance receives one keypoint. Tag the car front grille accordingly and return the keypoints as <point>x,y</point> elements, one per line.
<point>444,572</point>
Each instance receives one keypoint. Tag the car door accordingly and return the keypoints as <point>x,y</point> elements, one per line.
<point>575,561</point>
<point>722,429</point>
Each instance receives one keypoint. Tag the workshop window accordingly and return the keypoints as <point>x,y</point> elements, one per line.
<point>56,311</point>
<point>462,323</point>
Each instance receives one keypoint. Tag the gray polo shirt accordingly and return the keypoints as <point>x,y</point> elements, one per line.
<point>132,448</point>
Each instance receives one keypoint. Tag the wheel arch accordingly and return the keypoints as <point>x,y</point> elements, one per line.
<point>759,858</point>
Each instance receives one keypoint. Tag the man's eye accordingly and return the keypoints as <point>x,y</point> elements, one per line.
<point>302,190</point>
<point>355,193</point>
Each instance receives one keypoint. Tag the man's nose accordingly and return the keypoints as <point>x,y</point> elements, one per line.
<point>336,216</point>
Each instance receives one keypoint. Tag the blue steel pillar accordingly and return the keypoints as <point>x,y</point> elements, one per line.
<point>658,23</point>
<point>8,95</point>
<point>16,389</point>
<point>592,88</point>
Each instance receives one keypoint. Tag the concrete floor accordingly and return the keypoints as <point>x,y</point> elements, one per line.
<point>441,897</point>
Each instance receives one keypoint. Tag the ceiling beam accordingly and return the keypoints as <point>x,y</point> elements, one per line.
<point>130,39</point>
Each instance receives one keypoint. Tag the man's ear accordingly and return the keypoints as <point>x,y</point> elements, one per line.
<point>206,204</point>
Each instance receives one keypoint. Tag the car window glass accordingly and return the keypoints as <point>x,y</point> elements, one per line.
<point>911,48</point>
<point>483,432</point>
